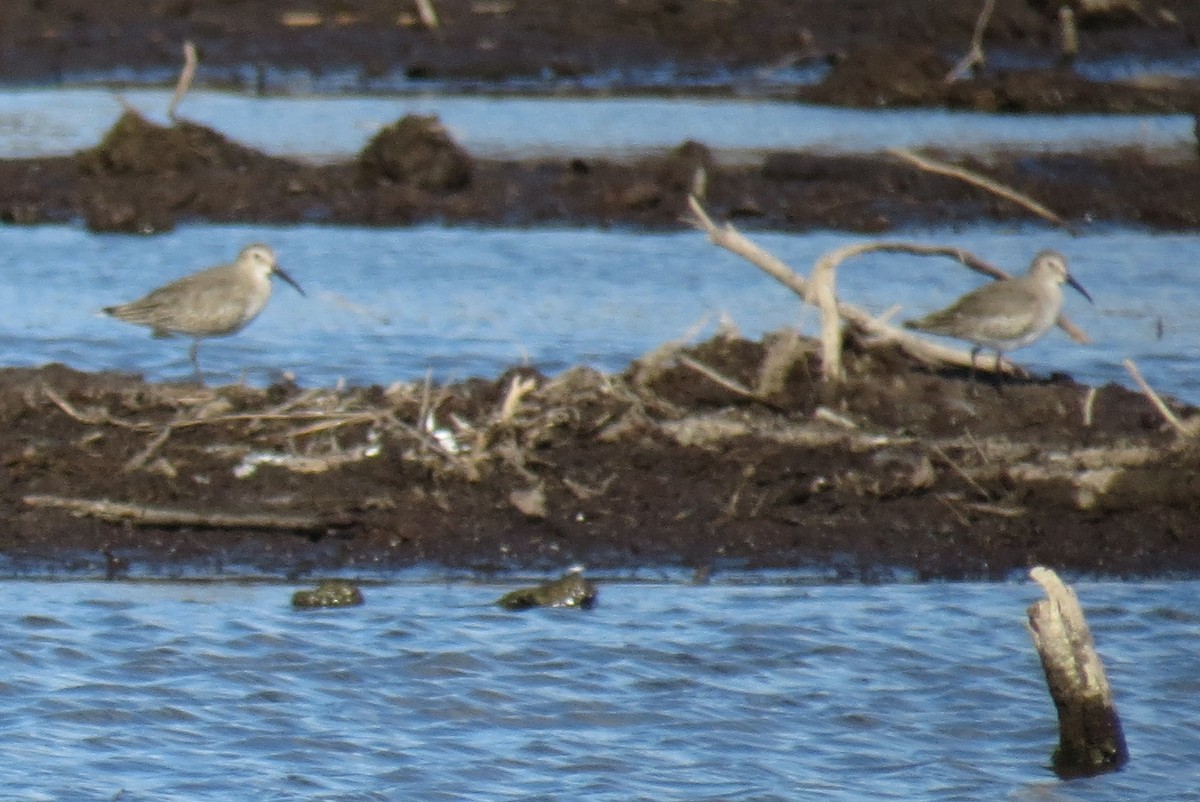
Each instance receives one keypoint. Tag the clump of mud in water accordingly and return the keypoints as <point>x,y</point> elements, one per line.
<point>136,146</point>
<point>416,150</point>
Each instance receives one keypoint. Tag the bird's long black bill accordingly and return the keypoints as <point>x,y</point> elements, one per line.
<point>277,270</point>
<point>1071,280</point>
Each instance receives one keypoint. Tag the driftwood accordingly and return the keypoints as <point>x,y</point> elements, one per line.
<point>1090,737</point>
<point>819,291</point>
<point>147,515</point>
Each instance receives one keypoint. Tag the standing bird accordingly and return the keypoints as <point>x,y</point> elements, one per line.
<point>210,303</point>
<point>1006,314</point>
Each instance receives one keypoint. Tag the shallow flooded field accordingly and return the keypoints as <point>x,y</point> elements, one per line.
<point>55,122</point>
<point>766,690</point>
<point>841,675</point>
<point>395,304</point>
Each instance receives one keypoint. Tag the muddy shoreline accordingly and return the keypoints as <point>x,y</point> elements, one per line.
<point>146,178</point>
<point>900,472</point>
<point>938,477</point>
<point>883,53</point>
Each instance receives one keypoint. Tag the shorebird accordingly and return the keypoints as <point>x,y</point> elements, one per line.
<point>210,303</point>
<point>1006,314</point>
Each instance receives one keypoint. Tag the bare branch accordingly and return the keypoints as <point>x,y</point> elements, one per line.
<point>819,291</point>
<point>1184,429</point>
<point>974,56</point>
<point>975,179</point>
<point>732,240</point>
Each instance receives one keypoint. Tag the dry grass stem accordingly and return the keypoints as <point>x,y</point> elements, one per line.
<point>958,469</point>
<point>95,419</point>
<point>139,460</point>
<point>829,416</point>
<point>783,352</point>
<point>518,388</point>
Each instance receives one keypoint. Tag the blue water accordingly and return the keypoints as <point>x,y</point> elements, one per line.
<point>38,122</point>
<point>388,305</point>
<point>768,691</point>
<point>752,688</point>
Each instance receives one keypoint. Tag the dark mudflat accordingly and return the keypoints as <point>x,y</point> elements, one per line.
<point>899,473</point>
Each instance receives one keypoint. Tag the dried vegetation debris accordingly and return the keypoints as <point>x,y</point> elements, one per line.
<point>668,461</point>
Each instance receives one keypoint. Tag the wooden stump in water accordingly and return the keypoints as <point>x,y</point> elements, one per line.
<point>1090,739</point>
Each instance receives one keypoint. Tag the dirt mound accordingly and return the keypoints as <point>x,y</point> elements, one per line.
<point>416,150</point>
<point>145,177</point>
<point>889,76</point>
<point>136,146</point>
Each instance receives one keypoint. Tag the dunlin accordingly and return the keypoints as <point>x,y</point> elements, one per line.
<point>1006,314</point>
<point>210,303</point>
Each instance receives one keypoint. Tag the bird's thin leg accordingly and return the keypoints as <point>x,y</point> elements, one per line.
<point>974,353</point>
<point>192,355</point>
<point>997,376</point>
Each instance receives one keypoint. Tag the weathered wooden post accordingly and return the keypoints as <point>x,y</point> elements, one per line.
<point>1090,739</point>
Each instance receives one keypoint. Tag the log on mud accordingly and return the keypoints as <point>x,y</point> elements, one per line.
<point>1091,740</point>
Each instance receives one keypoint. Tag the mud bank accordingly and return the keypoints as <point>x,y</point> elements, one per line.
<point>885,52</point>
<point>145,178</point>
<point>898,472</point>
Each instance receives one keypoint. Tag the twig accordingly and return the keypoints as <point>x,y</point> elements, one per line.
<point>186,75</point>
<point>962,473</point>
<point>1188,429</point>
<point>518,388</point>
<point>334,423</point>
<point>974,56</point>
<point>91,420</point>
<point>732,385</point>
<point>142,457</point>
<point>983,182</point>
<point>145,515</point>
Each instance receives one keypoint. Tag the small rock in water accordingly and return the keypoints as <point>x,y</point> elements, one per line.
<point>329,593</point>
<point>569,590</point>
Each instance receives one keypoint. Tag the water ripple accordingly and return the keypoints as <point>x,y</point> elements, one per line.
<point>664,692</point>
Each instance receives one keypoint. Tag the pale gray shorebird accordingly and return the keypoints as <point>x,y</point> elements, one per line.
<point>210,303</point>
<point>1006,314</point>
